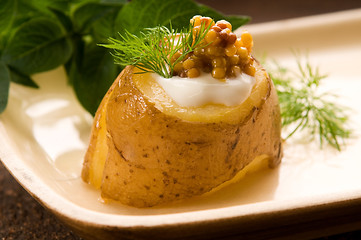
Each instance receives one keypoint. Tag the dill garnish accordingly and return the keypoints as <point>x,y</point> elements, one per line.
<point>152,51</point>
<point>304,107</point>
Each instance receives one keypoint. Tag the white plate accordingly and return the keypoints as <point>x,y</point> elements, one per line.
<point>44,135</point>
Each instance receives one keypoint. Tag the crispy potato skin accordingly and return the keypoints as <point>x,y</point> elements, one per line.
<point>154,158</point>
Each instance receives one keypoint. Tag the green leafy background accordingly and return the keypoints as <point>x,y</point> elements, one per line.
<point>40,35</point>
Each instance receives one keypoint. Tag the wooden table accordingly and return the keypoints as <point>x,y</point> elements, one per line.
<point>21,217</point>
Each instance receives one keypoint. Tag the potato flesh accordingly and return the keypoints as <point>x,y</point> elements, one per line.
<point>258,164</point>
<point>208,113</point>
<point>95,157</point>
<point>157,156</point>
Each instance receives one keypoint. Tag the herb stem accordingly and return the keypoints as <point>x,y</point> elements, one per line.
<point>303,106</point>
<point>153,50</point>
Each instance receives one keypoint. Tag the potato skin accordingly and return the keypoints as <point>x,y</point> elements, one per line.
<point>155,158</point>
<point>94,160</point>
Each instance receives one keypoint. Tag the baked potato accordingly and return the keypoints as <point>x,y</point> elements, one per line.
<point>147,149</point>
<point>144,153</point>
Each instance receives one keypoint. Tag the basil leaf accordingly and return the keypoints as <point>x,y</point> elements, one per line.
<point>114,1</point>
<point>140,14</point>
<point>89,14</point>
<point>18,77</point>
<point>45,5</point>
<point>63,19</point>
<point>236,21</point>
<point>4,86</point>
<point>7,10</point>
<point>93,77</point>
<point>38,45</point>
<point>76,59</point>
<point>13,13</point>
<point>13,10</point>
<point>104,28</point>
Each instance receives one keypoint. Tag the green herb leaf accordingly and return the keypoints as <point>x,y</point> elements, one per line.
<point>63,18</point>
<point>119,2</point>
<point>140,14</point>
<point>45,6</point>
<point>236,21</point>
<point>8,11</point>
<point>39,35</point>
<point>38,45</point>
<point>76,59</point>
<point>13,10</point>
<point>153,51</point>
<point>20,78</point>
<point>87,16</point>
<point>92,78</point>
<point>13,13</point>
<point>4,86</point>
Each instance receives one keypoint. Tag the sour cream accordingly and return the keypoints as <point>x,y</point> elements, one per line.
<point>195,92</point>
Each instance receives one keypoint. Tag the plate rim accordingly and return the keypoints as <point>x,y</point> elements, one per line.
<point>56,203</point>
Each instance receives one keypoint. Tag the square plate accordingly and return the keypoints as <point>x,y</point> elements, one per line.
<point>45,132</point>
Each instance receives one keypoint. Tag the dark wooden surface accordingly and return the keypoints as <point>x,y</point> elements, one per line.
<point>21,217</point>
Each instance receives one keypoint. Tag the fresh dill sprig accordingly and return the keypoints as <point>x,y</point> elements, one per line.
<point>304,107</point>
<point>152,51</point>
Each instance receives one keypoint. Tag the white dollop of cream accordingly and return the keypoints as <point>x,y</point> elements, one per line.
<point>195,92</point>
